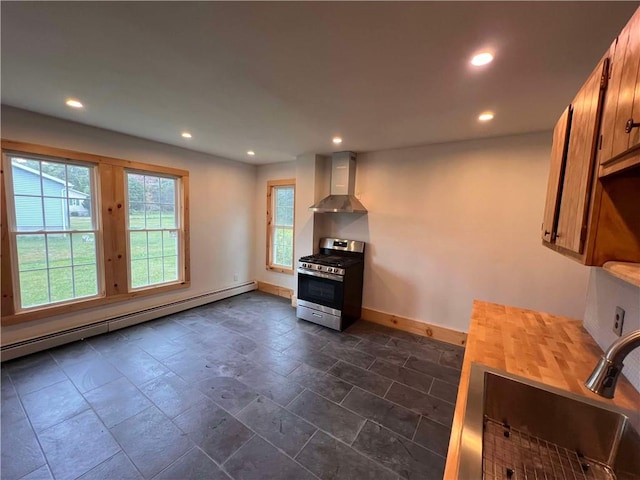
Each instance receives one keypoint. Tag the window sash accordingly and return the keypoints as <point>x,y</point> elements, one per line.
<point>276,245</point>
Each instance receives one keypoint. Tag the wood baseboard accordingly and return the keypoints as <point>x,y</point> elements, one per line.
<point>275,290</point>
<point>414,326</point>
<point>436,332</point>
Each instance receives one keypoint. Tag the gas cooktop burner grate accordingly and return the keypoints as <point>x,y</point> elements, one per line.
<point>330,260</point>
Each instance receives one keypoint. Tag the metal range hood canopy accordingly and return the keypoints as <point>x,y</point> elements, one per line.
<point>343,183</point>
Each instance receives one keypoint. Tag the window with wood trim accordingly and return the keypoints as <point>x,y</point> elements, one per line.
<point>280,224</point>
<point>153,224</point>
<point>81,230</point>
<point>54,248</point>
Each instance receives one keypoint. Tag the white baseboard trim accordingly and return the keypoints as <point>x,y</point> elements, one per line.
<point>38,344</point>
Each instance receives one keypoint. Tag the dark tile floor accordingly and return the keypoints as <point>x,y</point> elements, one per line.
<point>239,388</point>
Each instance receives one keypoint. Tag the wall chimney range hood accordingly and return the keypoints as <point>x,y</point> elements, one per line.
<point>343,183</point>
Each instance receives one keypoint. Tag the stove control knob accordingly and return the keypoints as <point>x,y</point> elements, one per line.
<point>304,265</point>
<point>333,269</point>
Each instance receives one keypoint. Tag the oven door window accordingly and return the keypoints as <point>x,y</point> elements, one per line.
<point>320,290</point>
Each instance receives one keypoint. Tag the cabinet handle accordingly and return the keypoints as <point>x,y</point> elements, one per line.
<point>630,125</point>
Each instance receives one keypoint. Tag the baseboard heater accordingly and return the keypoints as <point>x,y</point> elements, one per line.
<point>44,342</point>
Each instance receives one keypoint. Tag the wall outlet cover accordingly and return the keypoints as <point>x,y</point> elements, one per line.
<point>618,321</point>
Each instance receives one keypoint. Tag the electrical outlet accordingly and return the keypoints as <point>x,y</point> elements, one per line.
<point>235,277</point>
<point>618,321</point>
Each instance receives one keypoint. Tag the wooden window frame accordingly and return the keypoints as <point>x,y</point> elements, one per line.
<point>179,195</point>
<point>270,186</point>
<point>113,260</point>
<point>13,233</point>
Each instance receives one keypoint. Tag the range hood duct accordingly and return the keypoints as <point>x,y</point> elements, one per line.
<point>343,183</point>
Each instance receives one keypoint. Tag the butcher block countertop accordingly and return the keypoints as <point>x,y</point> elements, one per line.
<point>549,349</point>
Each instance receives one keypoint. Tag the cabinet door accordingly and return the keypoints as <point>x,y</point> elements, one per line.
<point>623,96</point>
<point>579,168</point>
<point>556,174</point>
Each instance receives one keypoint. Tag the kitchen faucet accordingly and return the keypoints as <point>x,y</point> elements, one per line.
<point>604,377</point>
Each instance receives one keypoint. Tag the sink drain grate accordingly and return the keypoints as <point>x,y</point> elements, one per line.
<point>509,453</point>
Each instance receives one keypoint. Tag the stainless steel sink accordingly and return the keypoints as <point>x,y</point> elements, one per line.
<point>517,429</point>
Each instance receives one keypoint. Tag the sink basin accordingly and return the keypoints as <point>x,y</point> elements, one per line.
<point>515,428</point>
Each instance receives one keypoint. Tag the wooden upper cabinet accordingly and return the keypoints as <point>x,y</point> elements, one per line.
<point>556,174</point>
<point>592,210</point>
<point>575,191</point>
<point>622,103</point>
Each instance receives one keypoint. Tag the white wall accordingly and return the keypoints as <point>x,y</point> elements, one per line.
<point>605,294</point>
<point>454,222</point>
<point>222,201</point>
<point>274,171</point>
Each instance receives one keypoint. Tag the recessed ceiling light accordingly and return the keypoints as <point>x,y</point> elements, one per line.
<point>73,103</point>
<point>186,135</point>
<point>482,58</point>
<point>337,140</point>
<point>251,153</point>
<point>485,116</point>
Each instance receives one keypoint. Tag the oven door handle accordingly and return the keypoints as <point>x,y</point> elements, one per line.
<point>313,273</point>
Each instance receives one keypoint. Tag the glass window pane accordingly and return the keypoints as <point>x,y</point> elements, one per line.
<point>283,246</point>
<point>32,253</point>
<point>86,280</point>
<point>26,177</point>
<point>284,206</point>
<point>279,220</point>
<point>155,244</point>
<point>54,183</point>
<point>170,243</point>
<point>61,282</point>
<point>156,274</point>
<point>80,213</point>
<point>152,215</point>
<point>56,215</point>
<point>34,288</point>
<point>59,250</point>
<point>168,216</point>
<point>79,180</point>
<point>83,222</point>
<point>135,187</point>
<point>139,273</point>
<point>138,245</point>
<point>168,190</point>
<point>29,216</point>
<point>136,216</point>
<point>170,268</point>
<point>84,248</point>
<point>151,189</point>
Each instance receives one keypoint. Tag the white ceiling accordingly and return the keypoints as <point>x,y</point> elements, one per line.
<point>284,78</point>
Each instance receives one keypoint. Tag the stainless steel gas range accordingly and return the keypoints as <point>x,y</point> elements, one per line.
<point>330,283</point>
